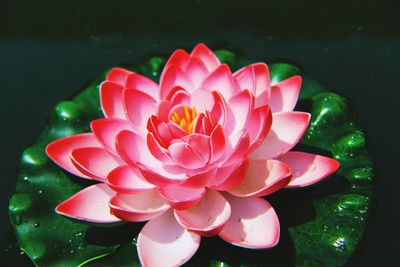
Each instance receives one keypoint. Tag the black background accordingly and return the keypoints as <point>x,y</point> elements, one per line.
<point>48,49</point>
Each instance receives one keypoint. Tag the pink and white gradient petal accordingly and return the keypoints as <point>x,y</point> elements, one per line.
<point>89,204</point>
<point>284,94</point>
<point>164,242</point>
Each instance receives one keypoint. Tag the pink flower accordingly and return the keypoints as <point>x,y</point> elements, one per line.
<point>192,155</point>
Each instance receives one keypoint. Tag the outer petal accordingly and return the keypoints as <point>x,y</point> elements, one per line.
<point>60,150</point>
<point>184,156</point>
<point>139,107</point>
<point>111,98</point>
<point>118,75</point>
<point>89,204</point>
<point>181,197</point>
<point>221,80</point>
<point>127,180</point>
<point>208,216</point>
<point>258,126</point>
<point>142,83</point>
<point>253,223</point>
<point>163,242</point>
<point>196,71</point>
<point>174,76</point>
<point>240,108</point>
<point>202,52</point>
<point>307,168</point>
<point>255,77</point>
<point>139,206</point>
<point>217,143</point>
<point>229,177</point>
<point>95,162</point>
<point>179,58</point>
<point>263,177</point>
<point>106,131</point>
<point>286,131</point>
<point>240,143</point>
<point>284,94</point>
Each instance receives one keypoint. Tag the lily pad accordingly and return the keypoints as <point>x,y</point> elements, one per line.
<point>320,226</point>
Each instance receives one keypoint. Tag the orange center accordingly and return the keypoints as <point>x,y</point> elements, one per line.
<point>186,119</point>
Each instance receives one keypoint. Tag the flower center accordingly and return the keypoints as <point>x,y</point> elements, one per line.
<point>185,119</point>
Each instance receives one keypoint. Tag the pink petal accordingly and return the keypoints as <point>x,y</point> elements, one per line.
<point>89,204</point>
<point>219,111</point>
<point>60,150</point>
<point>181,197</point>
<point>240,107</point>
<point>106,131</point>
<point>133,149</point>
<point>229,177</point>
<point>202,52</point>
<point>164,175</point>
<point>118,75</point>
<point>284,94</point>
<point>208,217</point>
<point>221,80</point>
<point>127,180</point>
<point>179,58</point>
<point>307,168</point>
<point>200,144</point>
<point>240,143</point>
<point>263,177</point>
<point>163,109</point>
<point>138,207</point>
<point>157,150</point>
<point>139,107</point>
<point>253,223</point>
<point>217,143</point>
<point>184,156</point>
<point>95,162</point>
<point>202,100</point>
<point>196,71</point>
<point>111,98</point>
<point>256,78</point>
<point>200,179</point>
<point>258,126</point>
<point>144,84</point>
<point>286,131</point>
<point>178,95</point>
<point>163,242</point>
<point>174,76</point>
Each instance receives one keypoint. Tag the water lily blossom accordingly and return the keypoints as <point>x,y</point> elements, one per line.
<point>193,155</point>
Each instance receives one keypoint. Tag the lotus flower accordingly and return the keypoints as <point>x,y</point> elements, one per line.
<point>193,155</point>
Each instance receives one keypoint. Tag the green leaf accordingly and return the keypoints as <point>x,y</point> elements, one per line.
<point>320,226</point>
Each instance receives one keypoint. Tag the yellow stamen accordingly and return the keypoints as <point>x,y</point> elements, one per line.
<point>177,118</point>
<point>190,127</point>
<point>187,114</point>
<point>194,113</point>
<point>182,123</point>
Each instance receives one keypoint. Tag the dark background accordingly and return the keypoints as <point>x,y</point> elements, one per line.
<point>48,49</point>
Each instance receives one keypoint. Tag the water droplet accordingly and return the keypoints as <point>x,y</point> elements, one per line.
<point>21,253</point>
<point>72,251</point>
<point>70,240</point>
<point>36,224</point>
<point>78,234</point>
<point>40,191</point>
<point>339,244</point>
<point>134,241</point>
<point>26,178</point>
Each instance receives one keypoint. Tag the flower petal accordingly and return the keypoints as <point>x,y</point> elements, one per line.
<point>253,223</point>
<point>142,83</point>
<point>138,207</point>
<point>111,98</point>
<point>157,150</point>
<point>174,76</point>
<point>229,177</point>
<point>263,177</point>
<point>196,71</point>
<point>284,94</point>
<point>286,131</point>
<point>307,168</point>
<point>184,156</point>
<point>258,126</point>
<point>128,179</point>
<point>240,143</point>
<point>208,216</point>
<point>202,52</point>
<point>181,197</point>
<point>95,162</point>
<point>202,100</point>
<point>89,204</point>
<point>118,75</point>
<point>179,58</point>
<point>221,80</point>
<point>163,242</point>
<point>240,107</point>
<point>139,107</point>
<point>106,131</point>
<point>60,150</point>
<point>217,143</point>
<point>255,77</point>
